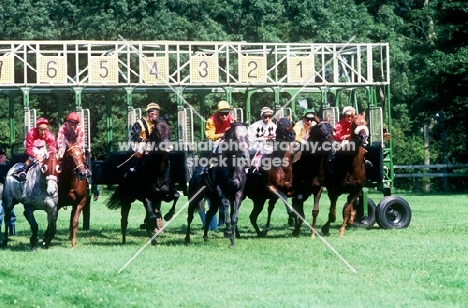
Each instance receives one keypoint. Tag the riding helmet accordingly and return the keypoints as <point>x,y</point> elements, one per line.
<point>152,107</point>
<point>223,106</point>
<point>73,117</point>
<point>41,121</point>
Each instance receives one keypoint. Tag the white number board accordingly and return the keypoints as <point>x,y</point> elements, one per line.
<point>103,70</point>
<point>154,69</point>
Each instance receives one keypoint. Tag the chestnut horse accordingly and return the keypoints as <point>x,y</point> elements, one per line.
<point>39,192</point>
<point>276,178</point>
<point>223,184</point>
<point>151,184</point>
<point>307,171</point>
<point>347,174</point>
<point>73,184</point>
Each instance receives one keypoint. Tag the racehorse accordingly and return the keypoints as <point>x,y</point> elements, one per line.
<point>223,184</point>
<point>151,184</point>
<point>39,192</point>
<point>276,180</point>
<point>308,170</point>
<point>73,184</point>
<point>347,174</point>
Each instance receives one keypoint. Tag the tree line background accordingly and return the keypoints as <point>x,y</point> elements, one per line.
<point>428,49</point>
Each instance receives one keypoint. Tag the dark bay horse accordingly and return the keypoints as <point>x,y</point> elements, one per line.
<point>151,185</point>
<point>73,184</point>
<point>276,178</point>
<point>223,184</point>
<point>308,171</point>
<point>39,192</point>
<point>347,175</point>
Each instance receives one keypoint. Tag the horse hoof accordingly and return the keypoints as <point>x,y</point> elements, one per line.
<point>187,240</point>
<point>45,245</point>
<point>168,216</point>
<point>325,230</point>
<point>205,238</point>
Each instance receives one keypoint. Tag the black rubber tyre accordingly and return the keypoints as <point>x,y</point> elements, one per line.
<point>393,212</point>
<point>360,220</point>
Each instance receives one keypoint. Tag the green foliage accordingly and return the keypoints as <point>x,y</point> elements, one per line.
<point>428,49</point>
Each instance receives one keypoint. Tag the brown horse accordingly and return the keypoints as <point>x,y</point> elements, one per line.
<point>347,175</point>
<point>276,176</point>
<point>73,184</point>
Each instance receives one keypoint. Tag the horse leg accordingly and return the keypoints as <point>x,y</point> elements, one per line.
<point>76,219</point>
<point>214,207</point>
<point>29,215</point>
<point>225,204</point>
<point>151,220</point>
<point>271,207</point>
<point>124,210</point>
<point>298,206</point>
<point>70,228</point>
<point>51,227</point>
<point>257,209</point>
<point>348,213</point>
<point>171,212</point>
<point>234,217</point>
<point>194,204</point>
<point>315,211</point>
<point>332,214</point>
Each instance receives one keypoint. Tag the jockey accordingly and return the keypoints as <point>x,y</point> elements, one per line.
<point>301,129</point>
<point>259,132</point>
<point>142,132</point>
<point>71,131</point>
<point>217,125</point>
<point>343,134</point>
<point>36,138</point>
<point>343,127</point>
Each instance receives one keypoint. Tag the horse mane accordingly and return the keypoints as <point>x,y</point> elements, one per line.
<point>162,130</point>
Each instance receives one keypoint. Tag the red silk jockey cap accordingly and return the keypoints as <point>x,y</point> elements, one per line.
<point>41,121</point>
<point>73,117</point>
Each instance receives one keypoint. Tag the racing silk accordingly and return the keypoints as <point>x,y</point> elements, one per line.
<point>142,130</point>
<point>259,130</point>
<point>302,131</point>
<point>33,135</point>
<point>342,128</point>
<point>216,126</point>
<point>65,132</point>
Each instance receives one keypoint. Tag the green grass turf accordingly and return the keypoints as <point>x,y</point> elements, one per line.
<point>424,265</point>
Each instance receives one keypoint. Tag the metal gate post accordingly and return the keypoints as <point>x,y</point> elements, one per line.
<point>11,119</point>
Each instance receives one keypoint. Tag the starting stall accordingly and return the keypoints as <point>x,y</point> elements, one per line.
<point>289,77</point>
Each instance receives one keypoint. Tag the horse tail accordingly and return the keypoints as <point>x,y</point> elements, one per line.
<point>114,201</point>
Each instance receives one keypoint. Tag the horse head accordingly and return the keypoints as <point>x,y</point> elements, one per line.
<point>359,130</point>
<point>285,131</point>
<point>162,130</point>
<point>237,139</point>
<point>51,169</point>
<point>76,157</point>
<point>322,131</point>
